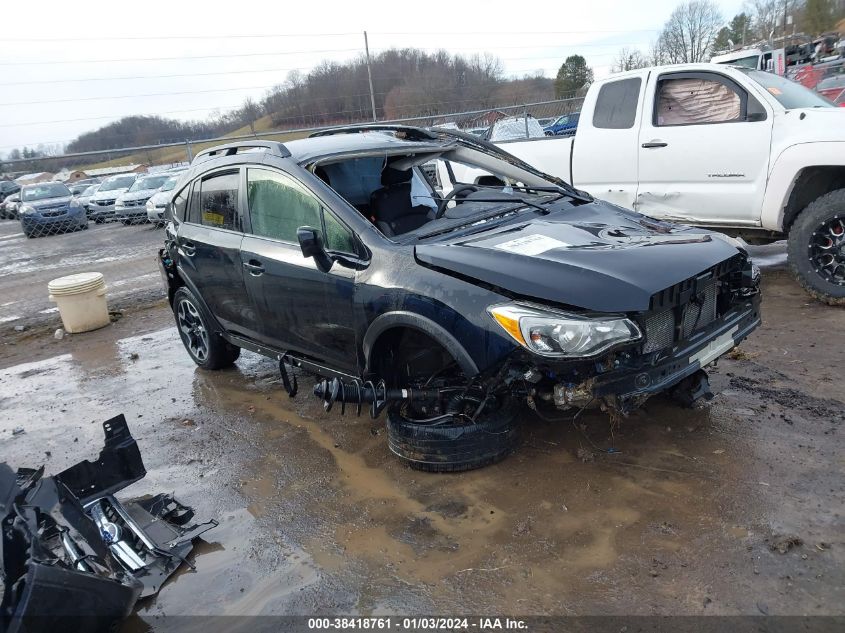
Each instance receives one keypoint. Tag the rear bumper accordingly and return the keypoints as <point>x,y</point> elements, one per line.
<point>667,369</point>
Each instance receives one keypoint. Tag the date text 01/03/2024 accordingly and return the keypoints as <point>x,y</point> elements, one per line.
<point>417,623</point>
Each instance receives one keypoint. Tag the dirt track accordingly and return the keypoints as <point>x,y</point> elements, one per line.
<point>317,516</point>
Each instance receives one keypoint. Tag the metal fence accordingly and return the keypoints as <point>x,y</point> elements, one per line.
<point>467,120</point>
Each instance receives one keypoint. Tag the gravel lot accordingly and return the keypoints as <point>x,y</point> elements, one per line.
<point>124,254</point>
<point>738,508</point>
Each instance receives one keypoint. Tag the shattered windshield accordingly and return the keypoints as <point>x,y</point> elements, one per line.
<point>423,194</point>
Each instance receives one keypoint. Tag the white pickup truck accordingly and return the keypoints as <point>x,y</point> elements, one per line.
<point>745,152</point>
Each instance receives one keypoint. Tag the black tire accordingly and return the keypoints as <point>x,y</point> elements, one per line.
<point>804,235</point>
<point>458,446</point>
<point>98,220</point>
<point>126,222</point>
<point>203,343</point>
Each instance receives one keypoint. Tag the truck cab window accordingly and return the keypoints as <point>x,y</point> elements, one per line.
<point>694,101</point>
<point>616,105</point>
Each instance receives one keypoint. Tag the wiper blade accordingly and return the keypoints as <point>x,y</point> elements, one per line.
<point>522,201</point>
<point>461,222</point>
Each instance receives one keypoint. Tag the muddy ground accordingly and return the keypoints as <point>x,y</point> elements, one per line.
<point>126,255</point>
<point>685,517</point>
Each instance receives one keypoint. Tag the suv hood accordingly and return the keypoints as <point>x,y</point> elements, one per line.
<point>597,257</point>
<point>45,203</point>
<point>161,197</point>
<point>108,195</point>
<point>139,194</point>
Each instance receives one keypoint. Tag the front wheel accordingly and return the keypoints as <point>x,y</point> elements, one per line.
<point>454,443</point>
<point>816,248</point>
<point>206,347</point>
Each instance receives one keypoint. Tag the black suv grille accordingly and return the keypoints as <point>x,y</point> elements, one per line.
<point>699,312</point>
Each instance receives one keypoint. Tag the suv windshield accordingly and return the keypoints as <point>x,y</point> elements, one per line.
<point>170,183</point>
<point>120,182</point>
<point>44,191</point>
<point>788,93</point>
<point>153,182</point>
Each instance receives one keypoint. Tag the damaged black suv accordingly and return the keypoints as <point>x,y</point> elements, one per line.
<point>433,275</point>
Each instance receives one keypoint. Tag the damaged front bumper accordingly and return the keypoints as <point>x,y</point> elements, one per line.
<point>71,552</point>
<point>625,388</point>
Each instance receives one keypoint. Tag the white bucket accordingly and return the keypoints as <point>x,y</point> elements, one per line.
<point>81,300</point>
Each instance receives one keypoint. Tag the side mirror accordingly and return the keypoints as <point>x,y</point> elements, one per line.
<point>311,243</point>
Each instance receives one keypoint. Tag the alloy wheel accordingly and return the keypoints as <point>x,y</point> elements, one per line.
<point>827,251</point>
<point>193,332</point>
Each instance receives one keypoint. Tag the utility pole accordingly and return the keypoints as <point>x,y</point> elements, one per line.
<point>785,5</point>
<point>370,77</point>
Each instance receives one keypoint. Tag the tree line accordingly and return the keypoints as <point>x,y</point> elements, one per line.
<point>696,29</point>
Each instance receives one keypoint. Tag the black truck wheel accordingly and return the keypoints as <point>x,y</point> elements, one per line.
<point>205,346</point>
<point>455,444</point>
<point>816,248</point>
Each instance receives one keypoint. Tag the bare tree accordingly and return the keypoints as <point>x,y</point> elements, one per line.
<point>628,59</point>
<point>690,32</point>
<point>766,17</point>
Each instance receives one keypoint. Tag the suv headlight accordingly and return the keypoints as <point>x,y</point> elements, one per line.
<point>26,209</point>
<point>74,203</point>
<point>562,335</point>
<point>150,206</point>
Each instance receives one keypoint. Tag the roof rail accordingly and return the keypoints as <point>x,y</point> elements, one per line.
<point>274,147</point>
<point>411,132</point>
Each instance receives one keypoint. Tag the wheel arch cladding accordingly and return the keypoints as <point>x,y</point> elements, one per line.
<point>811,183</point>
<point>393,322</point>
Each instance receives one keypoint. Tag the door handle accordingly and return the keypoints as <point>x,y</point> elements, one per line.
<point>189,248</point>
<point>254,267</point>
<point>651,144</point>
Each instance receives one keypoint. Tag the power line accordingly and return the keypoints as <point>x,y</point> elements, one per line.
<point>228,36</point>
<point>177,37</point>
<point>227,72</point>
<point>135,96</point>
<point>179,58</point>
<point>120,116</point>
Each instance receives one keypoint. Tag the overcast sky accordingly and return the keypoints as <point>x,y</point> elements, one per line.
<point>66,68</point>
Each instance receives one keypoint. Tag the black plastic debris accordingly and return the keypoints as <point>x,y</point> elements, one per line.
<point>73,556</point>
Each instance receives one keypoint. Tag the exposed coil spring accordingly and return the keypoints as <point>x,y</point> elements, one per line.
<point>355,392</point>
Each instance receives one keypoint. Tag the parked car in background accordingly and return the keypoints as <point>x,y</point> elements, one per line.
<point>514,127</point>
<point>101,204</point>
<point>48,208</point>
<point>78,186</point>
<point>158,201</point>
<point>7,188</point>
<point>131,205</point>
<point>833,88</point>
<point>446,303</point>
<point>84,198</point>
<point>563,125</point>
<point>9,206</point>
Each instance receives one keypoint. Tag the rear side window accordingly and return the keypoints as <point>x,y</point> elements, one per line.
<point>616,105</point>
<point>279,205</point>
<point>218,201</point>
